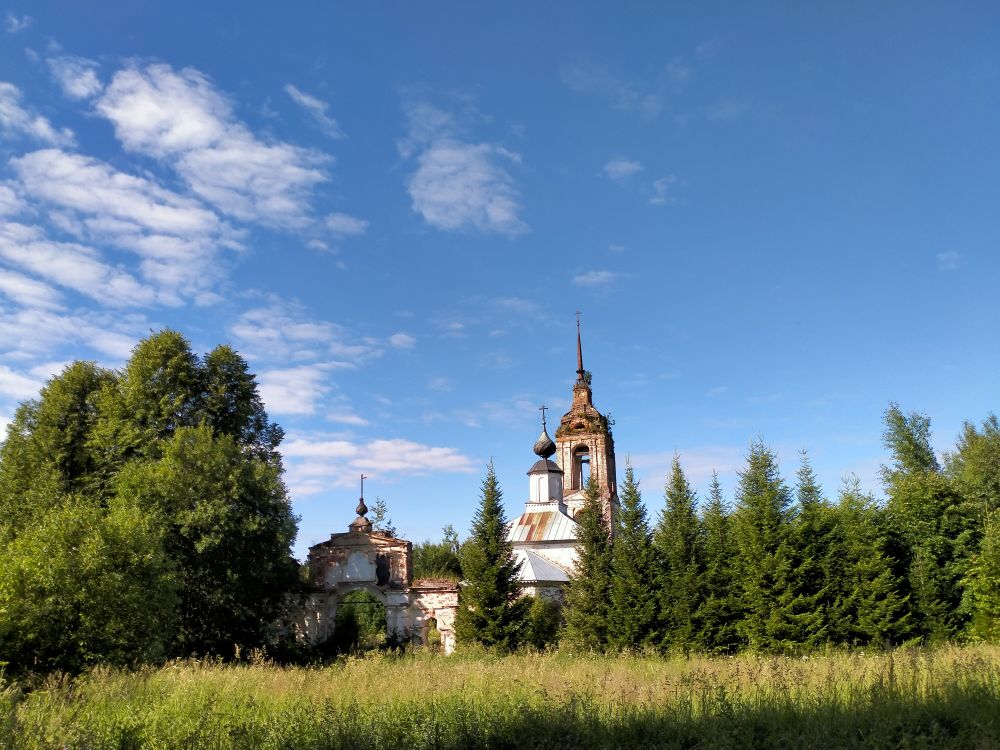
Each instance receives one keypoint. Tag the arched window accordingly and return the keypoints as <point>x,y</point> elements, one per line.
<point>581,467</point>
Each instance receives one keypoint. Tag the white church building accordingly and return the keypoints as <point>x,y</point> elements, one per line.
<point>544,536</point>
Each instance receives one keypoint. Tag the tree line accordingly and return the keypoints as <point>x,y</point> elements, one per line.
<point>783,569</point>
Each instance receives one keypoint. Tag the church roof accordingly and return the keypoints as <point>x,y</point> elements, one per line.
<point>544,466</point>
<point>534,567</point>
<point>543,526</point>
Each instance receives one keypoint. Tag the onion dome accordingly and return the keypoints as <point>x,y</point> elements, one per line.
<point>544,446</point>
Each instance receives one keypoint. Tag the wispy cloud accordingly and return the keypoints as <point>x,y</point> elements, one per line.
<point>620,168</point>
<point>282,331</point>
<point>647,99</point>
<point>459,185</point>
<point>77,76</point>
<point>661,190</point>
<point>176,237</point>
<point>949,261</point>
<point>317,109</point>
<point>15,24</point>
<point>316,462</point>
<point>27,291</point>
<point>71,266</point>
<point>344,225</point>
<point>597,278</point>
<point>16,385</point>
<point>35,331</point>
<point>348,418</point>
<point>17,120</point>
<point>182,119</point>
<point>402,341</point>
<point>294,390</point>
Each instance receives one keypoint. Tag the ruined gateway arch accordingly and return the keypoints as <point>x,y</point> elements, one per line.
<point>362,559</point>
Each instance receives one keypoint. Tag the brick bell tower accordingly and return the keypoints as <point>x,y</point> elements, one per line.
<point>584,446</point>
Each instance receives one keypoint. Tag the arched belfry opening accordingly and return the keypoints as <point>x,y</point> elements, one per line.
<point>585,448</point>
<point>581,467</point>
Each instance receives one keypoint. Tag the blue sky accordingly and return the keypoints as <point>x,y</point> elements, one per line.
<point>775,219</point>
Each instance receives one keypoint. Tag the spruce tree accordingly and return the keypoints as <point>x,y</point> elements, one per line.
<point>810,539</point>
<point>678,548</point>
<point>719,610</point>
<point>983,583</point>
<point>764,563</point>
<point>633,601</point>
<point>491,609</point>
<point>865,606</point>
<point>586,607</point>
<point>932,524</point>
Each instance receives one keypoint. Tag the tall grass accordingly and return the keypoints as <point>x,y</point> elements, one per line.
<point>915,699</point>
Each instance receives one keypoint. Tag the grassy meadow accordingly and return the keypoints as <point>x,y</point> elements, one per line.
<point>947,697</point>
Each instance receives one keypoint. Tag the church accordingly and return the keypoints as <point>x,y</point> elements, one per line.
<point>544,535</point>
<point>543,538</point>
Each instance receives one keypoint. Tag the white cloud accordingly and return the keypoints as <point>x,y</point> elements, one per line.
<point>16,120</point>
<point>181,118</point>
<point>661,188</point>
<point>71,266</point>
<point>92,187</point>
<point>28,292</point>
<point>596,278</point>
<point>459,185</point>
<point>10,203</point>
<point>293,390</point>
<point>949,261</point>
<point>317,462</point>
<point>281,331</point>
<point>18,386</point>
<point>317,110</point>
<point>77,76</point>
<point>14,24</point>
<point>35,332</point>
<point>345,224</point>
<point>348,418</point>
<point>402,341</point>
<point>620,168</point>
<point>588,78</point>
<point>176,237</point>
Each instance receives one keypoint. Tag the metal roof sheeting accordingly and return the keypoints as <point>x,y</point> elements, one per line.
<point>534,567</point>
<point>543,526</point>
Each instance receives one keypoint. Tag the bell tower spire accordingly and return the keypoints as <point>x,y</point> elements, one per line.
<point>585,448</point>
<point>579,350</point>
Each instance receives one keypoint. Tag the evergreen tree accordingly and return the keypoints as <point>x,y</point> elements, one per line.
<point>632,600</point>
<point>586,607</point>
<point>931,523</point>
<point>719,610</point>
<point>491,609</point>
<point>678,548</point>
<point>763,558</point>
<point>544,621</point>
<point>983,583</point>
<point>865,606</point>
<point>810,536</point>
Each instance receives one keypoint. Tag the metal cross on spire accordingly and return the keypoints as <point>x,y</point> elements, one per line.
<point>542,409</point>
<point>362,508</point>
